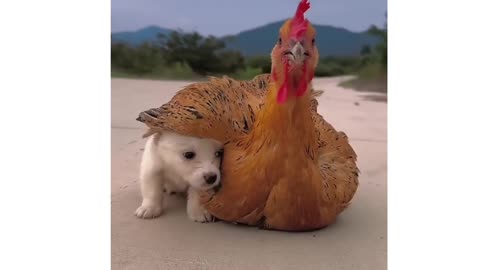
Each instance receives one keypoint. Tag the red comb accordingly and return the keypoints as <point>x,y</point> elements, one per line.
<point>299,24</point>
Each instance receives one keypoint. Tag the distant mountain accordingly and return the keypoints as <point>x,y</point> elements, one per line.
<point>138,37</point>
<point>259,41</point>
<point>330,40</point>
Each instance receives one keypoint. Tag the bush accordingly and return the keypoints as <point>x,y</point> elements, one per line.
<point>205,55</point>
<point>325,69</point>
<point>184,55</point>
<point>372,74</point>
<point>178,55</point>
<point>264,63</point>
<point>147,58</point>
<point>175,71</point>
<point>381,50</point>
<point>231,61</point>
<point>343,64</point>
<point>141,60</point>
<point>122,56</point>
<point>247,74</point>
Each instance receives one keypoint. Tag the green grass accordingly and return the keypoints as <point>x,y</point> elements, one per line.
<point>247,74</point>
<point>181,72</point>
<point>371,72</point>
<point>118,73</point>
<point>371,78</point>
<point>175,72</point>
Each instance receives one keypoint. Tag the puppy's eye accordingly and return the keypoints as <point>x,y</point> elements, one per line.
<point>219,153</point>
<point>189,155</point>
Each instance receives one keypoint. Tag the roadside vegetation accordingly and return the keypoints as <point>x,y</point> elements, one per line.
<point>372,76</point>
<point>191,56</point>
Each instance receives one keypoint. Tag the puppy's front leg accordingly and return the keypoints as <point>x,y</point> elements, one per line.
<point>151,184</point>
<point>195,210</point>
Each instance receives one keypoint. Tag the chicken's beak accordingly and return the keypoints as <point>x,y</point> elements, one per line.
<point>296,54</point>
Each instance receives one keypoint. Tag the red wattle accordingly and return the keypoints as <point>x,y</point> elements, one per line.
<point>282,94</point>
<point>302,87</point>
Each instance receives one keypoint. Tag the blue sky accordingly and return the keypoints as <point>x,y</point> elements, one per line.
<point>221,17</point>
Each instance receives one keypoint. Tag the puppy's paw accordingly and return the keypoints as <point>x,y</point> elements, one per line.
<point>195,210</point>
<point>200,215</point>
<point>148,211</point>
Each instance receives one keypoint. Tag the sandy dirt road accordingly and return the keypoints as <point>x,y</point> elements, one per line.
<point>357,241</point>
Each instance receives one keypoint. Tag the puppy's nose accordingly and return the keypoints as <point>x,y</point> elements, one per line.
<point>210,178</point>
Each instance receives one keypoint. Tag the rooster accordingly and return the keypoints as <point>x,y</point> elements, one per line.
<point>284,166</point>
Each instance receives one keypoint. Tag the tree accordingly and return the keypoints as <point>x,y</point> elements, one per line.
<point>231,61</point>
<point>122,56</point>
<point>382,47</point>
<point>138,60</point>
<point>366,50</point>
<point>146,59</point>
<point>203,54</point>
<point>262,62</point>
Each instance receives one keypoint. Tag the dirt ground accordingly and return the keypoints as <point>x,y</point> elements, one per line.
<point>357,241</point>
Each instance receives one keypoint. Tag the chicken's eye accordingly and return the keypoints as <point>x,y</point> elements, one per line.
<point>279,41</point>
<point>313,41</point>
<point>219,153</point>
<point>189,155</point>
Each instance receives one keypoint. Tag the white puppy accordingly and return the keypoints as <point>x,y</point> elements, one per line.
<point>178,163</point>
